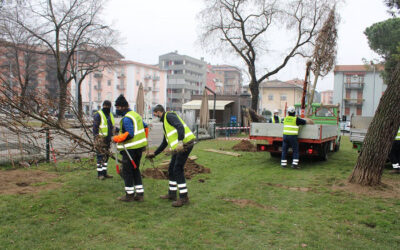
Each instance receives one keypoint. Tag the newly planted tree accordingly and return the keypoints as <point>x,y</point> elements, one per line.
<point>325,51</point>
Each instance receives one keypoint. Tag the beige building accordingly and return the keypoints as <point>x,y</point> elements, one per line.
<point>228,79</point>
<point>276,94</point>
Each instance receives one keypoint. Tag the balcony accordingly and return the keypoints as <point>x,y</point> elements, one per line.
<point>156,78</point>
<point>121,87</point>
<point>354,102</point>
<point>155,89</point>
<point>120,76</point>
<point>147,77</point>
<point>146,89</point>
<point>354,85</point>
<point>98,75</point>
<point>97,87</point>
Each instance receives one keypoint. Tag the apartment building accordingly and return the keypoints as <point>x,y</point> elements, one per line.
<point>327,97</point>
<point>358,89</point>
<point>230,77</point>
<point>124,77</point>
<point>186,77</point>
<point>276,94</point>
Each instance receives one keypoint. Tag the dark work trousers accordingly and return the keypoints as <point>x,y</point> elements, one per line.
<point>290,141</point>
<point>132,176</point>
<point>102,159</point>
<point>394,155</point>
<point>176,173</point>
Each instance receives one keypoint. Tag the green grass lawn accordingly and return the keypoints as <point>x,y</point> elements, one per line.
<point>84,213</point>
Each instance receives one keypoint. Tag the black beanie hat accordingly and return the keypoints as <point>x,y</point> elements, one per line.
<point>121,101</point>
<point>107,103</point>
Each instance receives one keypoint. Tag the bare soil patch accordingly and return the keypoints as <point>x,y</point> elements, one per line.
<point>245,145</point>
<point>301,189</point>
<point>247,203</point>
<point>26,182</point>
<point>191,169</point>
<point>390,188</point>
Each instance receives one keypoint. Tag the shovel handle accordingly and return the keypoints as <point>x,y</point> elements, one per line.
<point>130,158</point>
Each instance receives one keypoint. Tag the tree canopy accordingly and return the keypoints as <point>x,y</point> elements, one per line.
<point>384,39</point>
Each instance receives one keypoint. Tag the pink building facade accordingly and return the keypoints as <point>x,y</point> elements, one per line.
<point>124,77</point>
<point>327,97</point>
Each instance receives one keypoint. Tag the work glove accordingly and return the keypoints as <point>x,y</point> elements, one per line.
<point>150,155</point>
<point>179,148</point>
<point>120,138</point>
<point>187,145</point>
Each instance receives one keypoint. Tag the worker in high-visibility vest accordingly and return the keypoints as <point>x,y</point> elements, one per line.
<point>103,125</point>
<point>131,141</point>
<point>180,139</point>
<point>291,125</point>
<point>276,118</point>
<point>394,155</point>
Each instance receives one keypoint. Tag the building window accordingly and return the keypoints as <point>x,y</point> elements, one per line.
<point>283,97</point>
<point>359,111</point>
<point>137,83</point>
<point>109,83</point>
<point>270,97</point>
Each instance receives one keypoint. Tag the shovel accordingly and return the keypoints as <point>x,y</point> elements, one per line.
<point>116,160</point>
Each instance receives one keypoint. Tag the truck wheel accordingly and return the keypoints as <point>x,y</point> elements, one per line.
<point>323,155</point>
<point>275,155</point>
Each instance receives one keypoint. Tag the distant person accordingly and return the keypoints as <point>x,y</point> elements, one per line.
<point>180,139</point>
<point>291,125</point>
<point>275,118</point>
<point>394,155</point>
<point>131,142</point>
<point>103,125</point>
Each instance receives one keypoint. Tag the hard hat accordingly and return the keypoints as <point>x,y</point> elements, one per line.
<point>276,111</point>
<point>291,109</point>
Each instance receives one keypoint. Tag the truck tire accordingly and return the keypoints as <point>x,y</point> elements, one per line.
<point>275,155</point>
<point>323,155</point>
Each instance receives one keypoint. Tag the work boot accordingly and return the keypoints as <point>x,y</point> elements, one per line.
<point>127,198</point>
<point>108,176</point>
<point>181,202</point>
<point>101,177</point>
<point>168,197</point>
<point>139,198</point>
<point>295,166</point>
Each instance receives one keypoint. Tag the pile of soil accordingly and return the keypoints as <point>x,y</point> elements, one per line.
<point>26,182</point>
<point>245,145</point>
<point>191,169</point>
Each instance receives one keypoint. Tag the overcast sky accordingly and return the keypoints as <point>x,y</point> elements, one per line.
<point>150,28</point>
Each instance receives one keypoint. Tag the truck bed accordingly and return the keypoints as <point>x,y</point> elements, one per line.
<point>357,135</point>
<point>311,132</point>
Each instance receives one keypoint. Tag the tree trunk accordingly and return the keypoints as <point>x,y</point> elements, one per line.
<point>62,102</point>
<point>80,109</point>
<point>311,99</point>
<point>379,138</point>
<point>254,94</point>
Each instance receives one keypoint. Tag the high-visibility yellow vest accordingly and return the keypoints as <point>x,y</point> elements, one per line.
<point>103,129</point>
<point>289,126</point>
<point>171,134</point>
<point>139,139</point>
<point>279,119</point>
<point>398,135</point>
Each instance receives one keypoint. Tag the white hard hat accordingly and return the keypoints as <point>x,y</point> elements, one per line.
<point>276,111</point>
<point>291,109</point>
